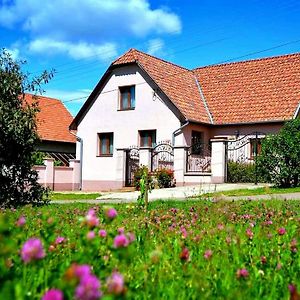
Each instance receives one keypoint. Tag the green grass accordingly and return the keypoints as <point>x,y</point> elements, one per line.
<point>73,196</point>
<point>152,265</point>
<point>255,191</point>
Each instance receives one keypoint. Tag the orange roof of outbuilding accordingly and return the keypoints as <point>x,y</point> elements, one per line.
<point>53,119</point>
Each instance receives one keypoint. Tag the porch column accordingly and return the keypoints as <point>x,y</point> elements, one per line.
<point>75,164</point>
<point>179,164</point>
<point>145,157</point>
<point>218,160</point>
<point>49,172</point>
<point>121,167</point>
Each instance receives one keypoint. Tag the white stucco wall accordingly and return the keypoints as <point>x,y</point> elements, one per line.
<point>150,113</point>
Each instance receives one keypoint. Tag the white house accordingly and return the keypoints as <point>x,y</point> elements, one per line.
<point>142,101</point>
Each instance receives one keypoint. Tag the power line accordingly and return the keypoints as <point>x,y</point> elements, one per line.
<point>178,73</point>
<point>109,52</point>
<point>88,72</point>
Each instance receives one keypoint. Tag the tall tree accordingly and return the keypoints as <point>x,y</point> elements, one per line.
<point>18,134</point>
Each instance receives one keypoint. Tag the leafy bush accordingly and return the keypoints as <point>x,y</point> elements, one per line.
<point>165,178</point>
<point>240,172</point>
<point>279,160</point>
<point>38,158</point>
<point>18,135</point>
<point>138,174</point>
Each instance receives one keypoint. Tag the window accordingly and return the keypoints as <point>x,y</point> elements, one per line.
<point>106,144</point>
<point>197,142</point>
<point>147,138</point>
<point>255,147</point>
<point>127,97</point>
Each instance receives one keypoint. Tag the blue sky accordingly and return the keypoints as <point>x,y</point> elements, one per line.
<point>79,38</point>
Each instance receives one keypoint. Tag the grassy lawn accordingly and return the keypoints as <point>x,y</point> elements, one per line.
<point>73,196</point>
<point>255,191</point>
<point>176,250</point>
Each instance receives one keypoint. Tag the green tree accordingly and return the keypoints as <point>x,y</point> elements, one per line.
<point>279,161</point>
<point>18,134</point>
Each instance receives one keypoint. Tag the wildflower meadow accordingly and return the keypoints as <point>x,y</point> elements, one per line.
<point>174,250</point>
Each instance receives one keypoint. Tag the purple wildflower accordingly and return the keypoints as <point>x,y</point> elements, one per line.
<point>80,271</point>
<point>242,273</point>
<point>249,233</point>
<point>21,221</point>
<point>121,230</point>
<point>185,254</point>
<point>294,245</point>
<point>111,213</point>
<point>208,254</point>
<point>32,250</point>
<point>90,235</point>
<point>281,231</point>
<point>102,233</point>
<point>59,240</point>
<point>53,294</point>
<point>131,237</point>
<point>115,283</point>
<point>88,288</point>
<point>91,219</point>
<point>121,241</point>
<point>183,232</point>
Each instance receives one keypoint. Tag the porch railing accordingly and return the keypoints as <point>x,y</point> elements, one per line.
<point>198,158</point>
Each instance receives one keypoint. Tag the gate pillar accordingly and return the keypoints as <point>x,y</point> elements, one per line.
<point>218,160</point>
<point>145,157</point>
<point>121,166</point>
<point>179,164</point>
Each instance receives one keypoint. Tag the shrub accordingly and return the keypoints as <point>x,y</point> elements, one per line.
<point>240,172</point>
<point>138,174</point>
<point>279,160</point>
<point>165,178</point>
<point>38,158</point>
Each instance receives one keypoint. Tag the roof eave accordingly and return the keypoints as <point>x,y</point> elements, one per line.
<point>253,122</point>
<point>297,111</point>
<point>76,121</point>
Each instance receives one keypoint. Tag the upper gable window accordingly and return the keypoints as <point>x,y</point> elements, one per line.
<point>127,97</point>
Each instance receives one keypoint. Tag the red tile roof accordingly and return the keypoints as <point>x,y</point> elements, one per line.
<point>251,91</point>
<point>257,90</point>
<point>178,83</point>
<point>53,120</point>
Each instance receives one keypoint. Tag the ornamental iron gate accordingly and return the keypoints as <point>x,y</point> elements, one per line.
<point>132,164</point>
<point>198,158</point>
<point>162,156</point>
<point>244,149</point>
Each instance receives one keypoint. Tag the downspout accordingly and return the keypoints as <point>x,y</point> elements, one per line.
<point>178,130</point>
<point>80,140</point>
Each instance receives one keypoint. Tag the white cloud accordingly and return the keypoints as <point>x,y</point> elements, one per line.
<point>155,46</point>
<point>80,50</point>
<point>14,52</point>
<point>92,20</point>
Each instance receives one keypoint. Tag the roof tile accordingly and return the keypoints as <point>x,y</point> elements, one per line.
<point>53,119</point>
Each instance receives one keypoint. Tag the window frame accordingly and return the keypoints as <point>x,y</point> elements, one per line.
<point>151,143</point>
<point>193,142</point>
<point>252,141</point>
<point>130,99</point>
<point>108,136</point>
